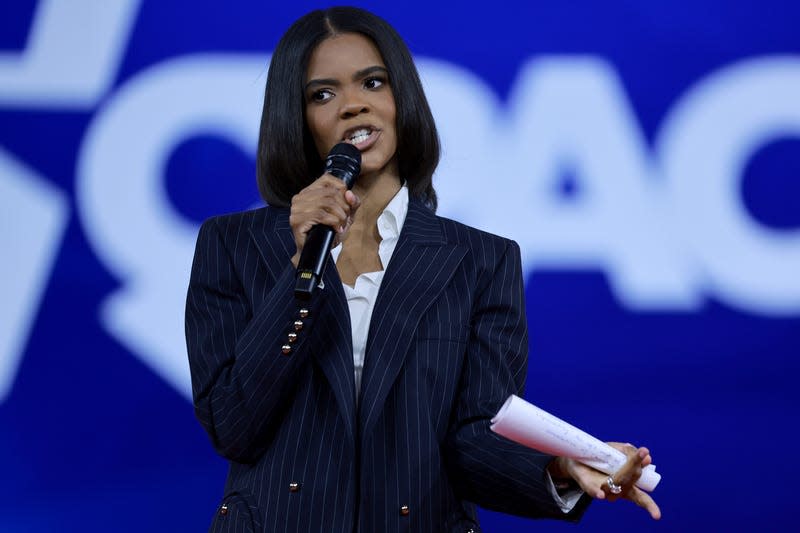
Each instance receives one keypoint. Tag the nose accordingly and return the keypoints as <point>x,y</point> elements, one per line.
<point>353,104</point>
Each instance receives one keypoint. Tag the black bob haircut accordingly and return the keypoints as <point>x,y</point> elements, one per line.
<point>287,157</point>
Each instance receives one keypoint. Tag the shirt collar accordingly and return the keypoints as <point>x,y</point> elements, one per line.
<point>391,221</point>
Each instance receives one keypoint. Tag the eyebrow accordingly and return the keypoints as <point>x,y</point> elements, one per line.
<point>356,76</point>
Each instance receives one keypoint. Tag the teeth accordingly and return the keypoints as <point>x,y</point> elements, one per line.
<point>359,136</point>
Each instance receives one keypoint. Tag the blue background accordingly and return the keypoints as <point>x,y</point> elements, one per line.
<point>92,440</point>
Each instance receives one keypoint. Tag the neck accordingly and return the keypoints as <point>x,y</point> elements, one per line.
<point>375,193</point>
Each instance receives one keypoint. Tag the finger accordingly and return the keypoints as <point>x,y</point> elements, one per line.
<point>339,198</point>
<point>329,214</point>
<point>352,200</point>
<point>318,195</point>
<point>324,184</point>
<point>645,501</point>
<point>629,449</point>
<point>320,192</point>
<point>615,487</point>
<point>582,475</point>
<point>625,447</point>
<point>630,472</point>
<point>308,203</point>
<point>647,461</point>
<point>341,213</point>
<point>588,479</point>
<point>328,180</point>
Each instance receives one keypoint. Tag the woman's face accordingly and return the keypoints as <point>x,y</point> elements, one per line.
<point>349,99</point>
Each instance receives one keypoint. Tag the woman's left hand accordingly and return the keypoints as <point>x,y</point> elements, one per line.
<point>594,483</point>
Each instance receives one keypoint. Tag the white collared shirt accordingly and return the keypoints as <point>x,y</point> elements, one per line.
<point>361,296</point>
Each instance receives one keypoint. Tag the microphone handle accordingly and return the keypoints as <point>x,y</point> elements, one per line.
<point>312,264</point>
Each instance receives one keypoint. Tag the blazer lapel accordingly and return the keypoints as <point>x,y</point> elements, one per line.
<point>334,354</point>
<point>420,268</point>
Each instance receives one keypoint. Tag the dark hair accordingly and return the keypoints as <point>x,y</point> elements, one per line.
<point>287,157</point>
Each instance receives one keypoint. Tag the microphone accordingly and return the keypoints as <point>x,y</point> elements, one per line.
<point>344,162</point>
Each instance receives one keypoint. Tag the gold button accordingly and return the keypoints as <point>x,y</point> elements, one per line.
<point>303,313</point>
<point>294,486</point>
<point>223,510</point>
<point>292,337</point>
<point>286,349</point>
<point>404,510</point>
<point>298,325</point>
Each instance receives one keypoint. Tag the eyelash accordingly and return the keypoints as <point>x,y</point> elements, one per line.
<point>323,95</point>
<point>320,96</point>
<point>381,81</point>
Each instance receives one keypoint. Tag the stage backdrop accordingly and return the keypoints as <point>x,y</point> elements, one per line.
<point>645,155</point>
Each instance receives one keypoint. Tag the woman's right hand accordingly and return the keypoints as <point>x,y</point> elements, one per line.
<point>326,201</point>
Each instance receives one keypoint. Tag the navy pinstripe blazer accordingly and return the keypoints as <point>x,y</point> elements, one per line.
<point>447,344</point>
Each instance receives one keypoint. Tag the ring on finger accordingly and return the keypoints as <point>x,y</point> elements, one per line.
<point>613,488</point>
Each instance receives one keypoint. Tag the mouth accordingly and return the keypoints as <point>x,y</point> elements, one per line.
<point>361,137</point>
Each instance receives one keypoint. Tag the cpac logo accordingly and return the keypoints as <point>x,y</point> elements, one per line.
<point>667,226</point>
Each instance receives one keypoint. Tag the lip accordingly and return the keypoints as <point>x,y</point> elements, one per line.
<point>375,133</point>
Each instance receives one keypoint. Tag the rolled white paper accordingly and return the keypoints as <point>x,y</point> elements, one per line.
<point>530,426</point>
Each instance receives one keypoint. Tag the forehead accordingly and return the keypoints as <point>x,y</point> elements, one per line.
<point>341,55</point>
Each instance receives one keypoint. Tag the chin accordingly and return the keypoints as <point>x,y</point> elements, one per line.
<point>376,164</point>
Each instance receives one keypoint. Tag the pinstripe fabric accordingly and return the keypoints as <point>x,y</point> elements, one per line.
<point>447,345</point>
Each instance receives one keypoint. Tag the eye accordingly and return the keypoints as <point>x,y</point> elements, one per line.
<point>373,82</point>
<point>321,95</point>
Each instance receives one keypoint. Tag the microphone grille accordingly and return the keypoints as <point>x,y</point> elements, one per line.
<point>344,161</point>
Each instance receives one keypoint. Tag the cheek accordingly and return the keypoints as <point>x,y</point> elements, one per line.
<point>318,130</point>
<point>392,116</point>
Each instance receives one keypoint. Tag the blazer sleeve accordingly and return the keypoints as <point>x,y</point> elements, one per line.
<point>240,376</point>
<point>488,469</point>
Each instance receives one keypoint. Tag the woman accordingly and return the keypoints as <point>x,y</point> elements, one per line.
<point>367,408</point>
